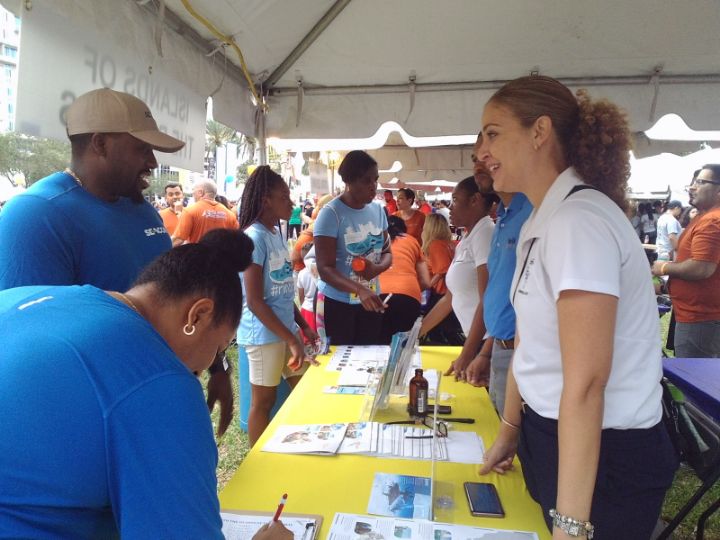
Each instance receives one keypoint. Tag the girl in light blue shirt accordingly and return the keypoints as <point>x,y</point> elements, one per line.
<point>268,332</point>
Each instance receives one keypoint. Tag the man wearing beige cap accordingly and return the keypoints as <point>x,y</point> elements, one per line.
<point>90,223</point>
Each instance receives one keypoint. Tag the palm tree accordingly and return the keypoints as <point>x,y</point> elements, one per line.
<point>218,135</point>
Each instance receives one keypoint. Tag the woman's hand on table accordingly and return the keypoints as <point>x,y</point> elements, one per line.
<point>500,455</point>
<point>478,371</point>
<point>459,366</point>
<point>274,530</point>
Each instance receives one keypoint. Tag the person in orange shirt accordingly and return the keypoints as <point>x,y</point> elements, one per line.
<point>439,250</point>
<point>390,204</point>
<point>174,200</point>
<point>414,219</point>
<point>694,277</point>
<point>424,206</point>
<point>405,279</point>
<point>204,215</point>
<point>296,256</point>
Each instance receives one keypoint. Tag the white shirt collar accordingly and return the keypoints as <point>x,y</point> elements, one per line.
<point>538,221</point>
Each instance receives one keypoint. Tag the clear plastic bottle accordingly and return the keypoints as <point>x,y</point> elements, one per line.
<point>419,394</point>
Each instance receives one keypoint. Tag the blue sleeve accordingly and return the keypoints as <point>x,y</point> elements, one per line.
<point>162,458</point>
<point>327,223</point>
<point>35,244</point>
<point>259,254</point>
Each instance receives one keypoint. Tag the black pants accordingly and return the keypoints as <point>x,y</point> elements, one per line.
<point>448,332</point>
<point>400,316</point>
<point>351,324</point>
<point>635,469</point>
<point>293,231</point>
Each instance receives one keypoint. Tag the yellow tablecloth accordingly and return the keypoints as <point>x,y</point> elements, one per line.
<point>329,484</point>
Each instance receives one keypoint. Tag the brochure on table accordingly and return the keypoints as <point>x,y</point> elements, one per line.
<point>243,525</point>
<point>401,495</point>
<point>377,439</point>
<point>359,527</point>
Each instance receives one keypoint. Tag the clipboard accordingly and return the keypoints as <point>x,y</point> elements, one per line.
<point>243,524</point>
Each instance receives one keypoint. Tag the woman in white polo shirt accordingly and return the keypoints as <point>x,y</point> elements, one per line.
<point>583,406</point>
<point>467,276</point>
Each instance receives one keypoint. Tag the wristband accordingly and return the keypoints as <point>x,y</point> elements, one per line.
<point>502,419</point>
<point>662,269</point>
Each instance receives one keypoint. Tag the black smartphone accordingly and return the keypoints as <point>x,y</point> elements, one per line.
<point>483,500</point>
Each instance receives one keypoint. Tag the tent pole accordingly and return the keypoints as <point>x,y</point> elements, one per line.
<point>306,41</point>
<point>262,137</point>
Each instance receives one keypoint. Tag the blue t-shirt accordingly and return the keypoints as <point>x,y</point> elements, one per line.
<point>272,255</point>
<point>359,233</point>
<point>104,431</point>
<point>56,233</point>
<point>498,313</point>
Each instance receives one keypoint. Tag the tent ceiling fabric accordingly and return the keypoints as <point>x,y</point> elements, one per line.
<point>356,73</point>
<point>423,164</point>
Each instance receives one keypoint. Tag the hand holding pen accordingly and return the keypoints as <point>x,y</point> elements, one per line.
<point>275,530</point>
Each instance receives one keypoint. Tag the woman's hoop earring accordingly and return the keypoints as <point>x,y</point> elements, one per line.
<point>189,332</point>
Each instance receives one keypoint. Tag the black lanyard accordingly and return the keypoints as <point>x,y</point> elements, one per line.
<point>575,189</point>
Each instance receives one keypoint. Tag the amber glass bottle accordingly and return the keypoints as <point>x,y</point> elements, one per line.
<point>418,394</point>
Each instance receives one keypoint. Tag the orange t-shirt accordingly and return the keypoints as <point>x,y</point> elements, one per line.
<point>401,277</point>
<point>204,216</point>
<point>698,301</point>
<point>440,255</point>
<point>414,225</point>
<point>170,220</point>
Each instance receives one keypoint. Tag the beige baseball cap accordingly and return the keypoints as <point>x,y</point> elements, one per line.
<point>108,111</point>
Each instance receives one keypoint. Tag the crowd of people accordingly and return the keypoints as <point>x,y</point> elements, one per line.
<point>536,265</point>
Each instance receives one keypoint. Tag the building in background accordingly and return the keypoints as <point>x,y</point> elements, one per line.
<point>9,60</point>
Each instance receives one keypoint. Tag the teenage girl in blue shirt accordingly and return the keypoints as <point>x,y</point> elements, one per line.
<point>268,329</point>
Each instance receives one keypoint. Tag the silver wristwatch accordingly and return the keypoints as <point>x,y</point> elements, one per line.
<point>570,526</point>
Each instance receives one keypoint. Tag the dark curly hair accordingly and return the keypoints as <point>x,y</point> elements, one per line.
<point>593,134</point>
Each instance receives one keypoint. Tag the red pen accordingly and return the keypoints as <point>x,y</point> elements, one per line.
<point>280,507</point>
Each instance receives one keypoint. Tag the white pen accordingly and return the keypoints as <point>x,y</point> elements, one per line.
<point>387,298</point>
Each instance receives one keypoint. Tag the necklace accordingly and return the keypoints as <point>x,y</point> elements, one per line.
<point>75,176</point>
<point>125,299</point>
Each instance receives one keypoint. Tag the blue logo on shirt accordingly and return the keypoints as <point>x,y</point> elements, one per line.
<point>283,273</point>
<point>370,243</point>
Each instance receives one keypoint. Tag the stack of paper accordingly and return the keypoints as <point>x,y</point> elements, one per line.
<point>352,526</point>
<point>377,439</point>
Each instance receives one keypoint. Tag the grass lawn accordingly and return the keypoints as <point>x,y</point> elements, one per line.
<point>234,446</point>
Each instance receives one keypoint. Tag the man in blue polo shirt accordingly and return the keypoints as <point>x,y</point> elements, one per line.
<point>499,315</point>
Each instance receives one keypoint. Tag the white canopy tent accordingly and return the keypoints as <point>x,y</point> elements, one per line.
<point>340,68</point>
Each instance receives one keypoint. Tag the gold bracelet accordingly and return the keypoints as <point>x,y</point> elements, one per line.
<point>662,268</point>
<point>502,419</point>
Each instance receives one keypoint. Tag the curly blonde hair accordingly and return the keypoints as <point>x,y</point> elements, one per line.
<point>594,135</point>
<point>436,228</point>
